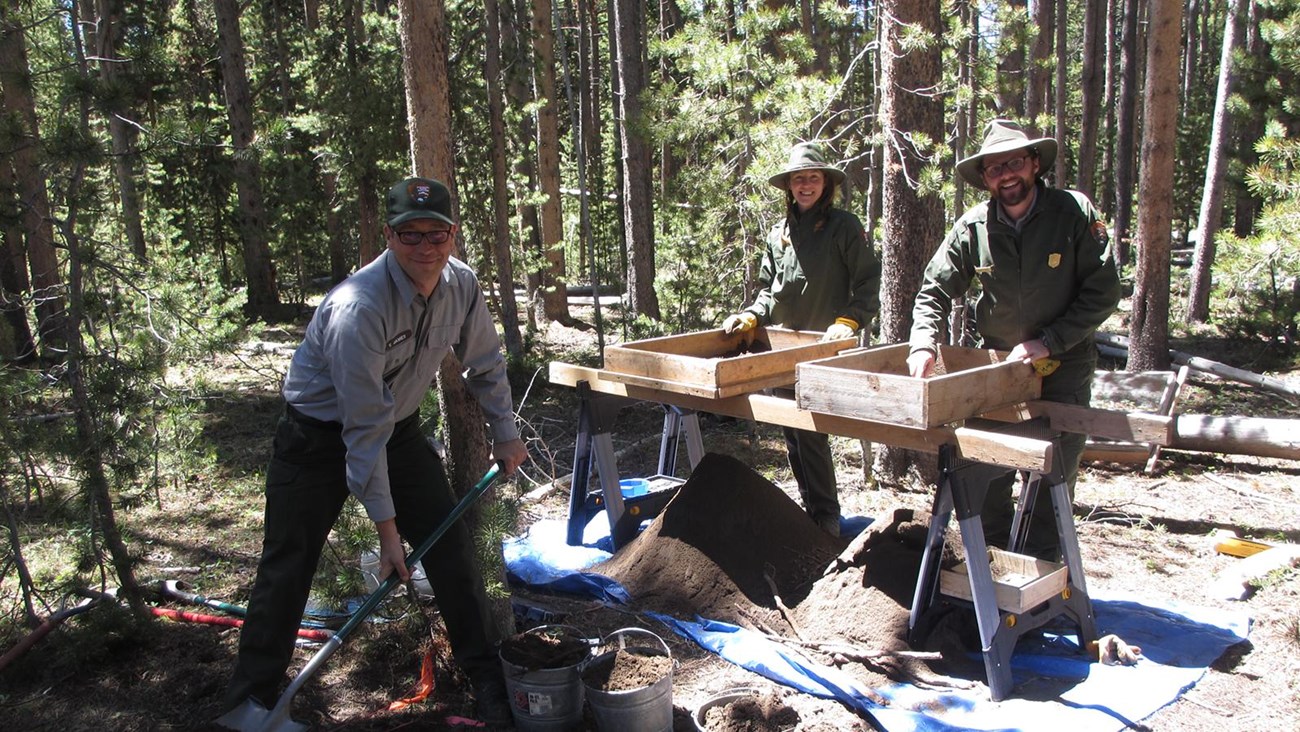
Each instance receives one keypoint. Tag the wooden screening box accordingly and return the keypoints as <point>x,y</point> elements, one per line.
<point>1020,582</point>
<point>715,364</point>
<point>874,384</point>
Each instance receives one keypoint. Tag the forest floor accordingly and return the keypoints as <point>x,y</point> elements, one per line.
<point>1148,534</point>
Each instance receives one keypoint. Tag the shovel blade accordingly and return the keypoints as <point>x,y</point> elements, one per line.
<point>251,716</point>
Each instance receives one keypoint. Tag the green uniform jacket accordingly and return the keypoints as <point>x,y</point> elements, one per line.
<point>1054,280</point>
<point>818,273</point>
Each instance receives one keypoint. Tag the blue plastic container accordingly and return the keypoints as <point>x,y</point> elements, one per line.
<point>633,487</point>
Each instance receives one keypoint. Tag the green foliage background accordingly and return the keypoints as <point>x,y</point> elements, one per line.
<point>727,95</point>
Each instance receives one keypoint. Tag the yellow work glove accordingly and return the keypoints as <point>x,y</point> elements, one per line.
<point>841,328</point>
<point>739,323</point>
<point>1046,366</point>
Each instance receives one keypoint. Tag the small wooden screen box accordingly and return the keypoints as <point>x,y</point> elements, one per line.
<point>715,364</point>
<point>873,384</point>
<point>1020,582</point>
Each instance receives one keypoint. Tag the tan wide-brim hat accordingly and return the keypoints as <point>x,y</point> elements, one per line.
<point>1003,136</point>
<point>806,156</point>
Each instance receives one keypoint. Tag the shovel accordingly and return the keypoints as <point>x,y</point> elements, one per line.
<point>251,716</point>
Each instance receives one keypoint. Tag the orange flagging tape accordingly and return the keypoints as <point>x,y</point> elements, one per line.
<point>422,691</point>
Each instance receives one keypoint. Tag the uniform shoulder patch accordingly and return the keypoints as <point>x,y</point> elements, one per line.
<point>1100,233</point>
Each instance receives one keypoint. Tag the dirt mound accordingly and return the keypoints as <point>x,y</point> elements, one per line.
<point>858,615</point>
<point>714,547</point>
<point>728,531</point>
<point>868,602</point>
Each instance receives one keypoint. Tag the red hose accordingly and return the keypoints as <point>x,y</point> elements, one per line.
<point>44,629</point>
<point>162,612</point>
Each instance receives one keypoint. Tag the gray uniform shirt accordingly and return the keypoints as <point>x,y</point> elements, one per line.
<point>373,349</point>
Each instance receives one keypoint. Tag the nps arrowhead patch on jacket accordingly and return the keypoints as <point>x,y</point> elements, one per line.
<point>1099,233</point>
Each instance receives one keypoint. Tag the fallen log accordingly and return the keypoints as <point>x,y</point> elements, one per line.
<point>1260,436</point>
<point>1121,344</point>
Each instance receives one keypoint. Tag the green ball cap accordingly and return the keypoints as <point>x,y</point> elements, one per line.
<point>419,198</point>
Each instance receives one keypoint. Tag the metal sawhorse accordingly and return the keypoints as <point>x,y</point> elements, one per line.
<point>962,487</point>
<point>596,415</point>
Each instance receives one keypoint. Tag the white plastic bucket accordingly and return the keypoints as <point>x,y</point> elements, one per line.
<point>370,574</point>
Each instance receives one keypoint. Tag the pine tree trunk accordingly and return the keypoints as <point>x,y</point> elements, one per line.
<point>555,297</point>
<point>1125,131</point>
<point>638,210</point>
<point>92,458</point>
<point>1198,301</point>
<point>967,60</point>
<point>1149,348</point>
<point>1191,41</point>
<point>1011,64</point>
<point>592,130</point>
<point>1040,73</point>
<point>1105,193</point>
<point>329,183</point>
<point>1062,65</point>
<point>311,15</point>
<point>259,269</point>
<point>423,33</point>
<point>1248,205</point>
<point>518,95</point>
<point>369,221</point>
<point>107,32</point>
<point>37,225</point>
<point>16,342</point>
<point>500,198</point>
<point>912,224</point>
<point>1093,76</point>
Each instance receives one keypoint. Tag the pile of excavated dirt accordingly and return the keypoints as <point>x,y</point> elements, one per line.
<point>719,547</point>
<point>859,611</point>
<point>730,536</point>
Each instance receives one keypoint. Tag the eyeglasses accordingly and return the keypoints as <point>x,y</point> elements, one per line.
<point>1015,165</point>
<point>412,238</point>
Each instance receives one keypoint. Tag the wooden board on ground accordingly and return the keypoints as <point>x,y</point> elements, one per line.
<point>1145,391</point>
<point>874,384</point>
<point>714,364</point>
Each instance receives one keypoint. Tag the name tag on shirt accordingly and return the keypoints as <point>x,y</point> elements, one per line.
<point>398,339</point>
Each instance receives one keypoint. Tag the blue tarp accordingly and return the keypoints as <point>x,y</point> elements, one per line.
<point>1056,686</point>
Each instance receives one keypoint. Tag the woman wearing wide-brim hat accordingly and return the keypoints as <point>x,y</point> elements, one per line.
<point>819,273</point>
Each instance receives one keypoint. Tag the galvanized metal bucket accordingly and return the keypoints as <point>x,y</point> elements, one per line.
<point>700,717</point>
<point>546,699</point>
<point>645,709</point>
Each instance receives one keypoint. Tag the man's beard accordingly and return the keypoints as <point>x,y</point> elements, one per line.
<point>1014,195</point>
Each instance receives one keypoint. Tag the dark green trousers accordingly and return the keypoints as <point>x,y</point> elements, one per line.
<point>1070,384</point>
<point>814,471</point>
<point>306,488</point>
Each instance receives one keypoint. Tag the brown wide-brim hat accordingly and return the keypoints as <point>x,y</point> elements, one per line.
<point>1003,136</point>
<point>806,156</point>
